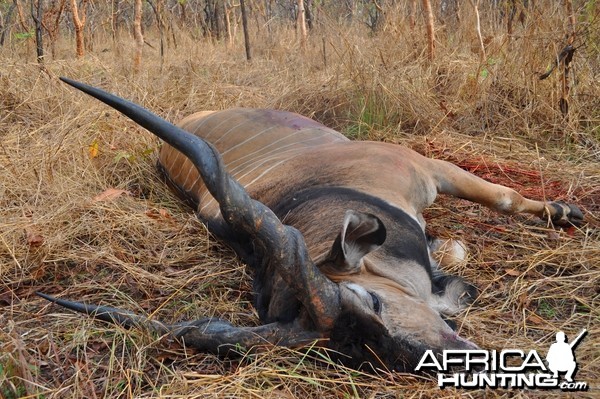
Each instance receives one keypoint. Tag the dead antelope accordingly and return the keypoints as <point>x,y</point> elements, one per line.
<point>332,230</point>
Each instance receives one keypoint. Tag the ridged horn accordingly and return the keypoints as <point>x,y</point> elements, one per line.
<point>209,334</point>
<point>112,315</point>
<point>278,243</point>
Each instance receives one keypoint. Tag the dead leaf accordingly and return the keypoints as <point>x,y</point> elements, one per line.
<point>93,149</point>
<point>553,235</point>
<point>152,213</point>
<point>34,238</point>
<point>38,272</point>
<point>524,300</point>
<point>160,214</point>
<point>97,346</point>
<point>535,319</point>
<point>164,213</point>
<point>110,194</point>
<point>512,272</point>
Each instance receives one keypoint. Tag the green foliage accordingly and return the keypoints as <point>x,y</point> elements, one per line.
<point>11,387</point>
<point>132,157</point>
<point>546,309</point>
<point>369,113</point>
<point>24,35</point>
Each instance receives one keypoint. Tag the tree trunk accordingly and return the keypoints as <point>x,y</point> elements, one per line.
<point>308,14</point>
<point>228,8</point>
<point>564,78</point>
<point>51,22</point>
<point>217,20</point>
<point>571,21</point>
<point>482,56</point>
<point>430,31</point>
<point>36,14</point>
<point>114,20</point>
<point>2,30</point>
<point>79,23</point>
<point>160,25</point>
<point>413,13</point>
<point>137,35</point>
<point>301,24</point>
<point>21,17</point>
<point>6,22</point>
<point>245,27</point>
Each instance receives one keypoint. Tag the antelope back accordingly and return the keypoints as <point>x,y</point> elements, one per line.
<point>251,142</point>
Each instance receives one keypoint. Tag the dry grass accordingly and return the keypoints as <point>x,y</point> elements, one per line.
<point>146,252</point>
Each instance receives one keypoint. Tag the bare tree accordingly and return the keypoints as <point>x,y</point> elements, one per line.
<point>114,20</point>
<point>36,14</point>
<point>308,14</point>
<point>21,17</point>
<point>413,12</point>
<point>301,24</point>
<point>482,56</point>
<point>227,16</point>
<point>137,34</point>
<point>5,22</point>
<point>566,64</point>
<point>51,23</point>
<point>212,9</point>
<point>428,13</point>
<point>79,23</point>
<point>159,23</point>
<point>245,27</point>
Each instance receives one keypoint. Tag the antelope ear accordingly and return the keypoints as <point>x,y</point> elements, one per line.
<point>361,233</point>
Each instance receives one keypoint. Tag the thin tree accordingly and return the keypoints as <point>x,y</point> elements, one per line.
<point>228,10</point>
<point>79,23</point>
<point>159,23</point>
<point>137,34</point>
<point>21,17</point>
<point>308,14</point>
<point>245,27</point>
<point>569,50</point>
<point>301,24</point>
<point>2,30</point>
<point>5,23</point>
<point>413,12</point>
<point>51,22</point>
<point>482,56</point>
<point>428,13</point>
<point>36,14</point>
<point>571,21</point>
<point>114,20</point>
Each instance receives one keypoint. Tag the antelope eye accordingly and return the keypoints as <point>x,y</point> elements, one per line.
<point>376,303</point>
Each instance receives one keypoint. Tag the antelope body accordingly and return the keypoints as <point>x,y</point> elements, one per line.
<point>331,228</point>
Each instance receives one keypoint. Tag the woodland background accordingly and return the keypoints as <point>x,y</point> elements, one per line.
<point>508,90</point>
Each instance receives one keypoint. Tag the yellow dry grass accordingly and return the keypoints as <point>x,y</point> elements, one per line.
<point>146,252</point>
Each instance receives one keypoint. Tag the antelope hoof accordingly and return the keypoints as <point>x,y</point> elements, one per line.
<point>566,214</point>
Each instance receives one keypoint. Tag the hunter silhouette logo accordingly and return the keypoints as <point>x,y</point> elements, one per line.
<point>508,368</point>
<point>560,355</point>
